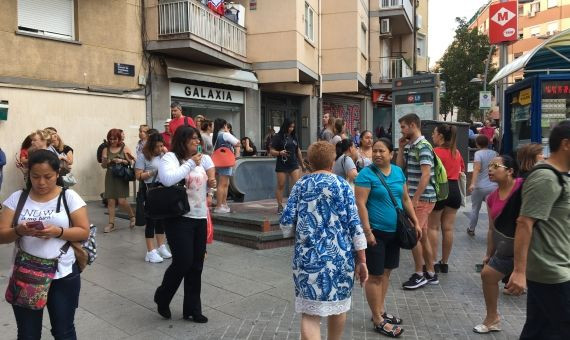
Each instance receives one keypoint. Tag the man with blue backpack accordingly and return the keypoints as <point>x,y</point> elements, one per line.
<point>417,159</point>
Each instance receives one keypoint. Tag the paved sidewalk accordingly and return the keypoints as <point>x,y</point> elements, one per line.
<point>248,294</point>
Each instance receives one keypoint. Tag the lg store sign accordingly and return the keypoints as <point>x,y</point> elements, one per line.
<point>503,23</point>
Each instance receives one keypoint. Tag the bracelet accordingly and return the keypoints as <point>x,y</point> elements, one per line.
<point>17,233</point>
<point>61,233</point>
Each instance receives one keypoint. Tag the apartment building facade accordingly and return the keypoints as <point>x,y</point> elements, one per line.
<point>73,65</point>
<point>537,20</point>
<point>287,59</point>
<point>394,49</point>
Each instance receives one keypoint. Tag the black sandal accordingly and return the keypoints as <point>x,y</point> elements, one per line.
<point>392,319</point>
<point>395,332</point>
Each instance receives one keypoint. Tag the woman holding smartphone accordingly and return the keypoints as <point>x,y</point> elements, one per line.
<point>44,239</point>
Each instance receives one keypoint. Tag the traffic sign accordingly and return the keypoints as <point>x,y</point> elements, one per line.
<point>485,99</point>
<point>503,22</point>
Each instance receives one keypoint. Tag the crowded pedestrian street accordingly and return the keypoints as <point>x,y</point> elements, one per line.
<point>249,294</point>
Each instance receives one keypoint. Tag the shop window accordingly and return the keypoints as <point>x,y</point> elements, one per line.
<point>309,22</point>
<point>50,18</point>
<point>552,3</point>
<point>421,45</point>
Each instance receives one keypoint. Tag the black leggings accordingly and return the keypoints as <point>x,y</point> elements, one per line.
<point>152,226</point>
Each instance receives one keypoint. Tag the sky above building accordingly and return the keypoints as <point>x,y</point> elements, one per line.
<point>442,24</point>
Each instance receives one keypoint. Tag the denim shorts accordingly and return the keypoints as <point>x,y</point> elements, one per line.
<point>229,171</point>
<point>501,264</point>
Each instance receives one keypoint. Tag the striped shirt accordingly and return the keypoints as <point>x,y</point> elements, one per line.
<point>417,154</point>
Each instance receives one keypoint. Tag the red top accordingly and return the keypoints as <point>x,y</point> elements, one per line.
<point>489,132</point>
<point>23,153</point>
<point>453,165</point>
<point>178,122</point>
<point>166,138</point>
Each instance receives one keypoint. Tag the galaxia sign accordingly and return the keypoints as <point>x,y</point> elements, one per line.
<point>206,93</point>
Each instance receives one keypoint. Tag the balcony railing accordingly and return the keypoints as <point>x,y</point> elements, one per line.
<point>191,17</point>
<point>391,68</point>
<point>398,4</point>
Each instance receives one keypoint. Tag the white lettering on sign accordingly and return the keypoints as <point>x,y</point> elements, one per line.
<point>503,16</point>
<point>206,93</point>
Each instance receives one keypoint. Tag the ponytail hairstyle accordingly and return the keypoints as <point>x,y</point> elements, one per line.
<point>342,147</point>
<point>219,124</point>
<point>449,133</point>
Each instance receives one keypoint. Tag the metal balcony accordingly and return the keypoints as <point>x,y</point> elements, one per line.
<point>391,68</point>
<point>183,18</point>
<point>400,13</point>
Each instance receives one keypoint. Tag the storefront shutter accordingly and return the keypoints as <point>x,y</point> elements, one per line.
<point>347,108</point>
<point>49,17</point>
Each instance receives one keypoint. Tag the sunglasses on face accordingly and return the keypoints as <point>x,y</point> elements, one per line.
<point>495,166</point>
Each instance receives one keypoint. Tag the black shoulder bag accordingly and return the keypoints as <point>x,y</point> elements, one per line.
<point>405,230</point>
<point>165,202</point>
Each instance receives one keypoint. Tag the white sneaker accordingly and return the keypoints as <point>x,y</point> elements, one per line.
<point>153,257</point>
<point>222,210</point>
<point>163,252</point>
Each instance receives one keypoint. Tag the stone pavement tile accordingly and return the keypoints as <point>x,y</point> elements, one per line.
<point>239,285</point>
<point>179,328</point>
<point>90,326</point>
<point>149,335</point>
<point>133,319</point>
<point>251,305</point>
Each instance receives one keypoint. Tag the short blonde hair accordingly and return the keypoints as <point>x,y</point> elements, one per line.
<point>43,134</point>
<point>321,155</point>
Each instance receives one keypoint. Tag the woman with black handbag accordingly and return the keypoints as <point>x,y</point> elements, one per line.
<point>374,186</point>
<point>116,157</point>
<point>186,233</point>
<point>146,171</point>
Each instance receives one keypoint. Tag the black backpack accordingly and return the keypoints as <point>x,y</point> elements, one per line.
<point>100,149</point>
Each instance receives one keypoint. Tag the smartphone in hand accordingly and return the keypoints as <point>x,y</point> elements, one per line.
<point>199,149</point>
<point>38,225</point>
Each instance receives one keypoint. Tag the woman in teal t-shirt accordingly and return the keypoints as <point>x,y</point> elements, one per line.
<point>378,217</point>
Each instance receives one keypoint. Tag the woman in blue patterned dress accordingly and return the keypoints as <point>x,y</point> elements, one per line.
<point>321,211</point>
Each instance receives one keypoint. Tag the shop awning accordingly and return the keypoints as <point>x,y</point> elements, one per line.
<point>553,55</point>
<point>211,74</point>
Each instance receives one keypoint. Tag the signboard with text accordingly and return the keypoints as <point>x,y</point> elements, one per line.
<point>503,22</point>
<point>206,93</point>
<point>485,99</point>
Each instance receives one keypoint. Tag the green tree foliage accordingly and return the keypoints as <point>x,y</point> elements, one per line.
<point>464,60</point>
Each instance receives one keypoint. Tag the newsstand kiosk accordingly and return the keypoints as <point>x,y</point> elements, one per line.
<point>532,107</point>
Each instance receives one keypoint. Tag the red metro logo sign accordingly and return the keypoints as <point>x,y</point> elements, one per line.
<point>503,22</point>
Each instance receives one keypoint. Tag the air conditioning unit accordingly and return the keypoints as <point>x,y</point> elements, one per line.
<point>385,26</point>
<point>531,14</point>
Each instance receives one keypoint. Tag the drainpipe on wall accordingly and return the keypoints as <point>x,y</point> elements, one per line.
<point>320,99</point>
<point>414,52</point>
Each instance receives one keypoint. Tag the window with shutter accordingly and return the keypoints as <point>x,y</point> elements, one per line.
<point>53,18</point>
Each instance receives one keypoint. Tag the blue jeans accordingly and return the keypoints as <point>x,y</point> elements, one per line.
<point>63,299</point>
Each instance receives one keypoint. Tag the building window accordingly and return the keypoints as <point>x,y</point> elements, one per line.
<point>53,18</point>
<point>552,3</point>
<point>535,7</point>
<point>363,39</point>
<point>552,28</point>
<point>309,22</point>
<point>421,45</point>
<point>535,31</point>
<point>521,9</point>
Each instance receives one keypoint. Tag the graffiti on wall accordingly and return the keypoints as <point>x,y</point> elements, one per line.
<point>350,113</point>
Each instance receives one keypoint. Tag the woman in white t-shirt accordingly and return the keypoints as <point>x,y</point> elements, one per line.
<point>186,234</point>
<point>223,138</point>
<point>45,241</point>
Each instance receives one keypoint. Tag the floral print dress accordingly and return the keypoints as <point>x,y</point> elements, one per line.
<point>321,211</point>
